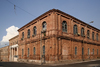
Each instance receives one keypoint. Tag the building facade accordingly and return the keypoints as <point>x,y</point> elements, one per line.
<point>57,36</point>
<point>13,48</point>
<point>4,51</point>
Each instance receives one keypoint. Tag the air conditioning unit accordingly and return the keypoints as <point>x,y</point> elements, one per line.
<point>33,35</point>
<point>88,36</point>
<point>78,34</point>
<point>43,31</point>
<point>22,38</point>
<point>83,35</point>
<point>28,36</point>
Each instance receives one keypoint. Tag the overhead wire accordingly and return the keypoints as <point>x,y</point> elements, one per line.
<point>19,7</point>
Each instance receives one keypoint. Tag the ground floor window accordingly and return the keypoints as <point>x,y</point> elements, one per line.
<point>34,50</point>
<point>43,50</point>
<point>22,52</point>
<point>82,51</point>
<point>93,51</point>
<point>28,53</point>
<point>88,51</point>
<point>75,50</point>
<point>97,51</point>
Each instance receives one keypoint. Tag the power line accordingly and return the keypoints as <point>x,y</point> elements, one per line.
<point>19,8</point>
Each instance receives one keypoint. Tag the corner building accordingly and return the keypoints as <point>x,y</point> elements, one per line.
<point>57,36</point>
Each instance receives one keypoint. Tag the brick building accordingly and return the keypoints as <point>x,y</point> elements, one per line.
<point>4,51</point>
<point>13,49</point>
<point>57,36</point>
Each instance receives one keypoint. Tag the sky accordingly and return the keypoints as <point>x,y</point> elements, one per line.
<point>16,13</point>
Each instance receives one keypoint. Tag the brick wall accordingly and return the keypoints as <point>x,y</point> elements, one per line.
<point>58,45</point>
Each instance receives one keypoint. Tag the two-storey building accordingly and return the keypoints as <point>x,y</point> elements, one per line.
<point>57,36</point>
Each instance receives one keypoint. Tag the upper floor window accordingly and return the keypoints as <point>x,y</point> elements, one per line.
<point>34,30</point>
<point>75,29</point>
<point>28,33</point>
<point>82,31</point>
<point>93,35</point>
<point>88,34</point>
<point>22,34</point>
<point>97,36</point>
<point>44,26</point>
<point>64,26</point>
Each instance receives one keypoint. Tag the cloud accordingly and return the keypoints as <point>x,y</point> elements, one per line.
<point>11,32</point>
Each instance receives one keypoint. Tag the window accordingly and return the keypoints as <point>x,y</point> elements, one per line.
<point>82,31</point>
<point>44,26</point>
<point>93,35</point>
<point>34,50</point>
<point>82,51</point>
<point>75,50</point>
<point>34,30</point>
<point>22,52</point>
<point>97,51</point>
<point>28,53</point>
<point>93,51</point>
<point>22,34</point>
<point>28,33</point>
<point>64,26</point>
<point>97,36</point>
<point>88,51</point>
<point>75,30</point>
<point>43,50</point>
<point>88,34</point>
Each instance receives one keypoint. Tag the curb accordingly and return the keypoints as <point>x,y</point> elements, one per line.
<point>67,63</point>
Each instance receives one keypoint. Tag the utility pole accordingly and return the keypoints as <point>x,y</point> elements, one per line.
<point>41,47</point>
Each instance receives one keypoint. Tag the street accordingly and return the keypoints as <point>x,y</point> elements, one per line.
<point>16,64</point>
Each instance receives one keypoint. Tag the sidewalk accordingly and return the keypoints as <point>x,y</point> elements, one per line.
<point>68,62</point>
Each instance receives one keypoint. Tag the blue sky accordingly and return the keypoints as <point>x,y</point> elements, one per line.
<point>85,10</point>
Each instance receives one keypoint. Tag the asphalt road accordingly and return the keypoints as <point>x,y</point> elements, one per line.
<point>16,64</point>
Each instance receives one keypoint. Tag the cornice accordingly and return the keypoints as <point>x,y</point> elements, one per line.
<point>13,37</point>
<point>58,11</point>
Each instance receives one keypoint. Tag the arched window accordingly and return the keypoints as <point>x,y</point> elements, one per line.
<point>64,26</point>
<point>22,34</point>
<point>93,35</point>
<point>75,31</point>
<point>28,33</point>
<point>34,30</point>
<point>88,34</point>
<point>82,31</point>
<point>44,26</point>
<point>97,36</point>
